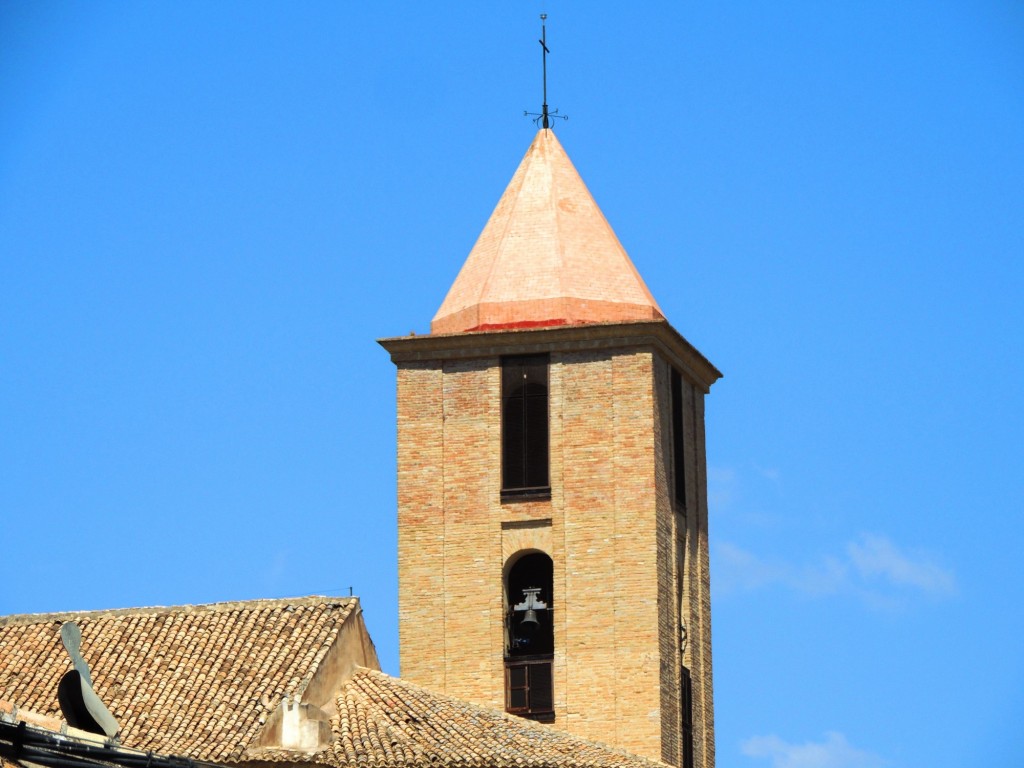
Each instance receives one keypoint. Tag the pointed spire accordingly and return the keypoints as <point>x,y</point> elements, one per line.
<point>546,257</point>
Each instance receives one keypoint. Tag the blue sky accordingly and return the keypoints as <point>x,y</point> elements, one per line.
<point>210,211</point>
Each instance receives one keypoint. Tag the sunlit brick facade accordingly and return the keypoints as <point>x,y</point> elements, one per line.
<point>622,514</point>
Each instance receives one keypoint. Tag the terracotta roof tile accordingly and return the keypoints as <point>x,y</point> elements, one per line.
<point>547,256</point>
<point>201,681</point>
<point>191,680</point>
<point>388,723</point>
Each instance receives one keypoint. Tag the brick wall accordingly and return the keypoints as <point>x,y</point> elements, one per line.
<point>629,563</point>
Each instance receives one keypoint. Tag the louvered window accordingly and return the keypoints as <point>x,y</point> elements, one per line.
<point>528,689</point>
<point>524,425</point>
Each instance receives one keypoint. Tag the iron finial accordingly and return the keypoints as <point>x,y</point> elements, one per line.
<point>545,115</point>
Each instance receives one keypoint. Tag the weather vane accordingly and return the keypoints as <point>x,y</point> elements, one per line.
<point>544,116</point>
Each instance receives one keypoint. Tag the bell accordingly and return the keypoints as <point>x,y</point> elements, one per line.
<point>529,623</point>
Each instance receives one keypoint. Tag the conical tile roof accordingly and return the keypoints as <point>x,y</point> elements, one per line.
<point>546,257</point>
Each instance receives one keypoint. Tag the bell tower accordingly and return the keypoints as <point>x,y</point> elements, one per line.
<point>552,502</point>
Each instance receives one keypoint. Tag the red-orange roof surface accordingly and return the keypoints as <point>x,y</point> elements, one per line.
<point>546,257</point>
<point>188,680</point>
<point>202,682</point>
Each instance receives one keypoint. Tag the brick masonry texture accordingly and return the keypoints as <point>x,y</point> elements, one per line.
<point>630,564</point>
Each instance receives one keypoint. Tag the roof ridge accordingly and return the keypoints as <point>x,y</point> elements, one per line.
<point>511,214</point>
<point>229,605</point>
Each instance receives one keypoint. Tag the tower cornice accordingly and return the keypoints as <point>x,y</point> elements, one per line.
<point>658,334</point>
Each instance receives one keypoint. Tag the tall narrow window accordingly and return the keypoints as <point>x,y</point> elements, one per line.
<point>687,702</point>
<point>524,424</point>
<point>529,639</point>
<point>678,439</point>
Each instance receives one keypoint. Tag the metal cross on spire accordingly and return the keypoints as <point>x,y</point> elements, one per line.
<point>544,58</point>
<point>545,116</point>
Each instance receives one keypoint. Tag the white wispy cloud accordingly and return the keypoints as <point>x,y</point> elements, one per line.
<point>872,567</point>
<point>738,569</point>
<point>875,557</point>
<point>833,752</point>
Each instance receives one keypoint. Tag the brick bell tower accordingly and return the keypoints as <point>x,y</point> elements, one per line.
<point>552,502</point>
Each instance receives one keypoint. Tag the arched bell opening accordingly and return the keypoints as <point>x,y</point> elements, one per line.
<point>529,635</point>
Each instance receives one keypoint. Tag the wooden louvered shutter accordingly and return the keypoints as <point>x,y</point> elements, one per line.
<point>524,423</point>
<point>517,693</point>
<point>541,694</point>
<point>529,690</point>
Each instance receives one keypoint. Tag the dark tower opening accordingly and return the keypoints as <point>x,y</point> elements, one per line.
<point>529,637</point>
<point>524,425</point>
<point>678,440</point>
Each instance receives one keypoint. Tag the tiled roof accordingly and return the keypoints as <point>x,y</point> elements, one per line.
<point>194,680</point>
<point>203,681</point>
<point>387,723</point>
<point>546,257</point>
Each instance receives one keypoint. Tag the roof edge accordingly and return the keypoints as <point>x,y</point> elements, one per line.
<point>475,344</point>
<point>10,712</point>
<point>39,618</point>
